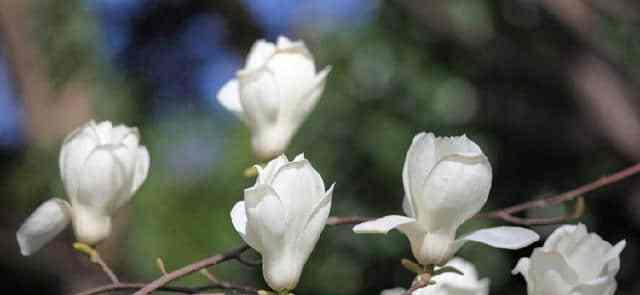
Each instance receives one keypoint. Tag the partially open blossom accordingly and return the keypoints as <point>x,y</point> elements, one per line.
<point>572,262</point>
<point>446,181</point>
<point>274,93</point>
<point>101,167</point>
<point>450,283</point>
<point>282,217</point>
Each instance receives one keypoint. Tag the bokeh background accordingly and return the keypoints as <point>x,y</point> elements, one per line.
<point>547,88</point>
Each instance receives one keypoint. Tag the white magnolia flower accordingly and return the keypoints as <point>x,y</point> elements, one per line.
<point>101,168</point>
<point>572,262</point>
<point>450,283</point>
<point>446,181</point>
<point>274,93</point>
<point>282,217</point>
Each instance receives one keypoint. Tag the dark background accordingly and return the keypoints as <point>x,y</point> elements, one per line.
<point>547,88</point>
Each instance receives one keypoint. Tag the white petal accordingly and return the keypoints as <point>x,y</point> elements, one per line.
<point>457,145</point>
<point>300,187</point>
<point>103,129</point>
<point>286,45</point>
<point>309,236</point>
<point>266,218</point>
<point>295,75</point>
<point>229,98</point>
<point>600,286</point>
<point>265,175</point>
<point>553,283</point>
<point>129,136</point>
<point>295,112</point>
<point>550,273</point>
<point>142,168</point>
<point>407,206</point>
<point>454,191</point>
<point>239,220</point>
<point>420,159</point>
<point>260,52</point>
<point>47,221</point>
<point>523,267</point>
<point>74,152</point>
<point>260,97</point>
<point>299,157</point>
<point>466,284</point>
<point>394,291</point>
<point>102,182</point>
<point>585,252</point>
<point>382,225</point>
<point>504,237</point>
<point>612,258</point>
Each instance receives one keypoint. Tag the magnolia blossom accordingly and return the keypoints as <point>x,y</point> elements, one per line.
<point>572,262</point>
<point>274,93</point>
<point>450,283</point>
<point>446,181</point>
<point>101,167</point>
<point>282,217</point>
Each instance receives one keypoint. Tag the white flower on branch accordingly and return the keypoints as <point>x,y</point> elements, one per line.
<point>282,217</point>
<point>446,181</point>
<point>572,262</point>
<point>274,93</point>
<point>450,283</point>
<point>101,167</point>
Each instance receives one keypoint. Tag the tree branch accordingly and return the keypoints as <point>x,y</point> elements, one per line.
<point>342,220</point>
<point>507,213</point>
<point>191,268</point>
<point>182,290</point>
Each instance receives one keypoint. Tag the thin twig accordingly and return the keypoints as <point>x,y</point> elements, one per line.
<point>107,270</point>
<point>191,268</point>
<point>182,290</point>
<point>133,286</point>
<point>345,220</point>
<point>95,257</point>
<point>247,262</point>
<point>507,213</point>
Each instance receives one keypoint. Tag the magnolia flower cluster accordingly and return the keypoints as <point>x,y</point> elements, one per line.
<point>446,181</point>
<point>102,166</point>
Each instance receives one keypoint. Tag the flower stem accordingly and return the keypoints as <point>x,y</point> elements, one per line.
<point>421,280</point>
<point>94,256</point>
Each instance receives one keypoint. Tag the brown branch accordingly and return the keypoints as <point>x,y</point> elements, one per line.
<point>132,286</point>
<point>105,268</point>
<point>181,290</point>
<point>506,214</point>
<point>342,220</point>
<point>191,268</point>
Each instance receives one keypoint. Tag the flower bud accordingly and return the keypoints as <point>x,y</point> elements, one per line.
<point>572,261</point>
<point>101,167</point>
<point>282,217</point>
<point>446,181</point>
<point>274,93</point>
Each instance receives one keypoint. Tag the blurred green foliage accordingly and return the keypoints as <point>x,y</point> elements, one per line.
<point>391,78</point>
